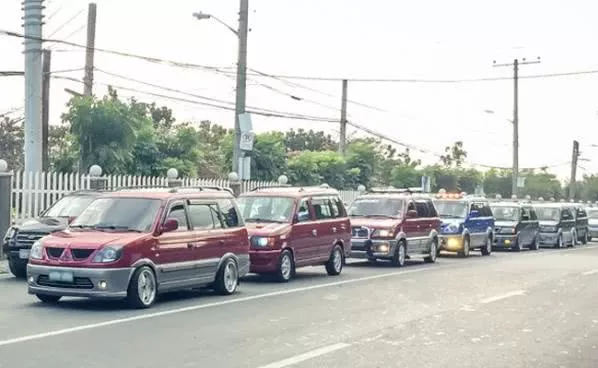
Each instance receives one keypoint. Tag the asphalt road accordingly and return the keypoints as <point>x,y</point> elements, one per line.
<point>529,309</point>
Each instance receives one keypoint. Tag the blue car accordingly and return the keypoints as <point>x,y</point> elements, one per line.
<point>467,223</point>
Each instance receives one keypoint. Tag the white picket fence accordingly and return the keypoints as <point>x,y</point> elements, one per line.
<point>33,192</point>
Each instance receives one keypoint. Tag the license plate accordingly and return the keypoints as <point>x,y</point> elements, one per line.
<point>61,276</point>
<point>24,253</point>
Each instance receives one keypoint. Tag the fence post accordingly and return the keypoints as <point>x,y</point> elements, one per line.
<point>234,183</point>
<point>96,181</point>
<point>5,197</point>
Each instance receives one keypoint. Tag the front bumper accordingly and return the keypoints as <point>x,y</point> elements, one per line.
<point>18,258</point>
<point>261,261</point>
<point>504,241</point>
<point>451,243</point>
<point>85,281</point>
<point>372,248</point>
<point>548,238</point>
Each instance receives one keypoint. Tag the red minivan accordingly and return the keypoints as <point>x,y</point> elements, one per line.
<point>292,227</point>
<point>135,244</point>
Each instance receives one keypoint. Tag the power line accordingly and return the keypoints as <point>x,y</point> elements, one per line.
<point>66,23</point>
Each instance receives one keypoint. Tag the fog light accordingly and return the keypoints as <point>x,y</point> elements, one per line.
<point>507,241</point>
<point>383,248</point>
<point>102,284</point>
<point>31,279</point>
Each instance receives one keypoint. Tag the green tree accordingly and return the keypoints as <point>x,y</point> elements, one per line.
<point>364,155</point>
<point>12,142</point>
<point>302,140</point>
<point>454,155</point>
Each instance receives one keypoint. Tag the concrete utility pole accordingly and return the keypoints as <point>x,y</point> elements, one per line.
<point>343,132</point>
<point>515,66</point>
<point>241,95</point>
<point>33,21</point>
<point>574,158</point>
<point>46,70</point>
<point>89,53</point>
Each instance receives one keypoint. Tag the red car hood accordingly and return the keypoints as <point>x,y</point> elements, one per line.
<point>89,239</point>
<point>266,229</point>
<point>375,223</point>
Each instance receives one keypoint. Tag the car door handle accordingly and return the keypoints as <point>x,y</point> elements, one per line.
<point>190,245</point>
<point>334,229</point>
<point>314,232</point>
<point>221,242</point>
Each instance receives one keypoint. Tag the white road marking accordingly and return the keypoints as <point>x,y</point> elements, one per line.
<point>306,356</point>
<point>503,296</point>
<point>591,272</point>
<point>65,331</point>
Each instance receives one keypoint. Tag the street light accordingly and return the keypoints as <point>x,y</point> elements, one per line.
<point>240,98</point>
<point>515,153</point>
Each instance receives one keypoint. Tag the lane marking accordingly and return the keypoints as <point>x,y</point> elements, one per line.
<point>503,296</point>
<point>306,356</point>
<point>591,272</point>
<point>65,331</point>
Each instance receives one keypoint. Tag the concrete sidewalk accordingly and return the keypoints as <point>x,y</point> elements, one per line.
<point>3,266</point>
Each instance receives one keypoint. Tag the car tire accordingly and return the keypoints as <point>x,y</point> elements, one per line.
<point>143,288</point>
<point>585,239</point>
<point>334,266</point>
<point>464,253</point>
<point>573,239</point>
<point>400,254</point>
<point>431,258</point>
<point>486,249</point>
<point>227,279</point>
<point>286,266</point>
<point>534,245</point>
<point>48,299</point>
<point>518,247</point>
<point>17,271</point>
<point>560,243</point>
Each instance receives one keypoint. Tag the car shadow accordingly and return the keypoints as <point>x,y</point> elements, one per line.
<point>383,264</point>
<point>301,275</point>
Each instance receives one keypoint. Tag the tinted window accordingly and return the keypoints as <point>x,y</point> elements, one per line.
<point>411,206</point>
<point>119,214</point>
<point>431,209</point>
<point>376,206</point>
<point>525,214</point>
<point>204,216</point>
<point>532,212</point>
<point>69,206</point>
<point>548,213</point>
<point>178,212</point>
<point>421,208</point>
<point>566,214</point>
<point>340,207</point>
<point>506,213</point>
<point>486,211</point>
<point>229,213</point>
<point>477,206</point>
<point>322,208</point>
<point>581,213</point>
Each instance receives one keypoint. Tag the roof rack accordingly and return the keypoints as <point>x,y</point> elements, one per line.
<point>177,189</point>
<point>396,190</point>
<point>270,187</point>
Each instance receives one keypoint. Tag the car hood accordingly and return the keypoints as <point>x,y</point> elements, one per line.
<point>89,239</point>
<point>548,223</point>
<point>505,223</point>
<point>374,223</point>
<point>266,228</point>
<point>42,224</point>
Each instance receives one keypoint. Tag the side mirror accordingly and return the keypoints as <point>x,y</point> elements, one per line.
<point>169,225</point>
<point>411,214</point>
<point>71,219</point>
<point>474,214</point>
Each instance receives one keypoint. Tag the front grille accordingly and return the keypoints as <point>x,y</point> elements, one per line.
<point>547,229</point>
<point>78,283</point>
<point>360,232</point>
<point>26,239</point>
<point>80,254</point>
<point>54,252</point>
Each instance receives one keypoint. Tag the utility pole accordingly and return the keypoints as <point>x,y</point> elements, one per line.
<point>33,20</point>
<point>515,64</point>
<point>90,50</point>
<point>241,80</point>
<point>46,70</point>
<point>343,132</point>
<point>574,157</point>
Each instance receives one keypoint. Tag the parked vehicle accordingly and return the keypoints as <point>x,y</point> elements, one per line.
<point>592,222</point>
<point>135,244</point>
<point>516,225</point>
<point>394,224</point>
<point>293,227</point>
<point>20,237</point>
<point>467,223</point>
<point>582,228</point>
<point>557,225</point>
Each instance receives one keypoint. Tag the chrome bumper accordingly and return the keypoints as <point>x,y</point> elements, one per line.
<point>372,248</point>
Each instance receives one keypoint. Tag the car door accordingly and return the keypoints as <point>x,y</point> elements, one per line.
<point>174,252</point>
<point>477,225</point>
<point>303,238</point>
<point>526,230</point>
<point>342,227</point>
<point>209,237</point>
<point>327,226</point>
<point>423,222</point>
<point>233,242</point>
<point>412,229</point>
<point>534,224</point>
<point>567,224</point>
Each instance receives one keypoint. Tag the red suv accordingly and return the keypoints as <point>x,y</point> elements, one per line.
<point>135,244</point>
<point>293,227</point>
<point>395,225</point>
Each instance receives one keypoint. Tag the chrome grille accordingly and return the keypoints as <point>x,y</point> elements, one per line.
<point>26,239</point>
<point>360,232</point>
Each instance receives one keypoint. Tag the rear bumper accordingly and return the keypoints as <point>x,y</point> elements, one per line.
<point>86,281</point>
<point>373,248</point>
<point>451,243</point>
<point>264,260</point>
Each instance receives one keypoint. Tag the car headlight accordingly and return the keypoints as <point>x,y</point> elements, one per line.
<point>383,233</point>
<point>262,241</point>
<point>108,254</point>
<point>10,233</point>
<point>36,250</point>
<point>452,228</point>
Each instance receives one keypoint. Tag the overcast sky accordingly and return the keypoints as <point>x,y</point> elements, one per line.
<point>427,39</point>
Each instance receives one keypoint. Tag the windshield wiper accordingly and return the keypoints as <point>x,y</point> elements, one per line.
<point>82,226</point>
<point>115,227</point>
<point>384,216</point>
<point>262,220</point>
<point>450,216</point>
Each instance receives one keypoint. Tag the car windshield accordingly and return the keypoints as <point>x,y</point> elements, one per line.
<point>593,214</point>
<point>451,209</point>
<point>506,213</point>
<point>548,213</point>
<point>266,209</point>
<point>376,207</point>
<point>119,214</point>
<point>69,206</point>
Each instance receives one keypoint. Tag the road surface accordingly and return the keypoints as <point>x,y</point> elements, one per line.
<point>528,309</point>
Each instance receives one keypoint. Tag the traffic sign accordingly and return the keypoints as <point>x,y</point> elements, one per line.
<point>246,143</point>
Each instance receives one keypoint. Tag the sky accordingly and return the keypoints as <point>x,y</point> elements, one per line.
<point>336,39</point>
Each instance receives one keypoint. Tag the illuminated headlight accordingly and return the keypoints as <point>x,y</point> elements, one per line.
<point>261,241</point>
<point>382,233</point>
<point>108,254</point>
<point>383,248</point>
<point>36,250</point>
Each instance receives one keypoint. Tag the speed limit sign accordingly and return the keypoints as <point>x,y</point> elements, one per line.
<point>246,143</point>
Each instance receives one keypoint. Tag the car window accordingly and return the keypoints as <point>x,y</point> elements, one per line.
<point>431,209</point>
<point>581,213</point>
<point>533,215</point>
<point>411,207</point>
<point>566,214</point>
<point>487,212</point>
<point>177,212</point>
<point>229,213</point>
<point>422,209</point>
<point>204,216</point>
<point>303,211</point>
<point>477,206</point>
<point>322,208</point>
<point>525,214</point>
<point>340,207</point>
